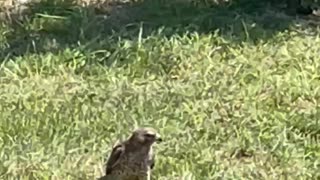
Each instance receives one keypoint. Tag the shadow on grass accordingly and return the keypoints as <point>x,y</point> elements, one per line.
<point>52,26</point>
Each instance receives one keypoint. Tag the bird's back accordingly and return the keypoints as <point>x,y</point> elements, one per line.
<point>132,165</point>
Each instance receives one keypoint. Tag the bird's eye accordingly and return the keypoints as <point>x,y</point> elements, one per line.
<point>150,135</point>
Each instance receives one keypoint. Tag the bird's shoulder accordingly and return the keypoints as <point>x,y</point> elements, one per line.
<point>117,153</point>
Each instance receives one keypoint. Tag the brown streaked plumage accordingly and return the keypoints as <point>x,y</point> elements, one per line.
<point>133,159</point>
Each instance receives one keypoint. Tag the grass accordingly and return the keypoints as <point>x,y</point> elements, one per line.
<point>234,90</point>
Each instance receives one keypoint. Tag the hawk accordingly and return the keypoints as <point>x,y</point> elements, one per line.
<point>133,159</point>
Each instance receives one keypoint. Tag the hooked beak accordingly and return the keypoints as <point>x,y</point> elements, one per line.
<point>158,138</point>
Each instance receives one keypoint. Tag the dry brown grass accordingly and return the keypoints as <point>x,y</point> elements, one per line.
<point>12,8</point>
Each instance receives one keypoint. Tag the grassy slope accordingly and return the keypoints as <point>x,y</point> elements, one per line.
<point>242,102</point>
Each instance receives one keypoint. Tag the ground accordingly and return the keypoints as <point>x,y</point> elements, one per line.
<point>233,89</point>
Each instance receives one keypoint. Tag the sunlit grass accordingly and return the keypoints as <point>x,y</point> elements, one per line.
<point>241,102</point>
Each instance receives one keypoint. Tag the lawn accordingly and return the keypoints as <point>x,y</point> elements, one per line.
<point>233,90</point>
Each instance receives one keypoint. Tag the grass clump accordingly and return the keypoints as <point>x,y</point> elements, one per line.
<point>234,96</point>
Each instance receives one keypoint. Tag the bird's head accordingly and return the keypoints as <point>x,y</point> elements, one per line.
<point>145,136</point>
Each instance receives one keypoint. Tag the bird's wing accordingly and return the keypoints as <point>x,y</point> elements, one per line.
<point>116,153</point>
